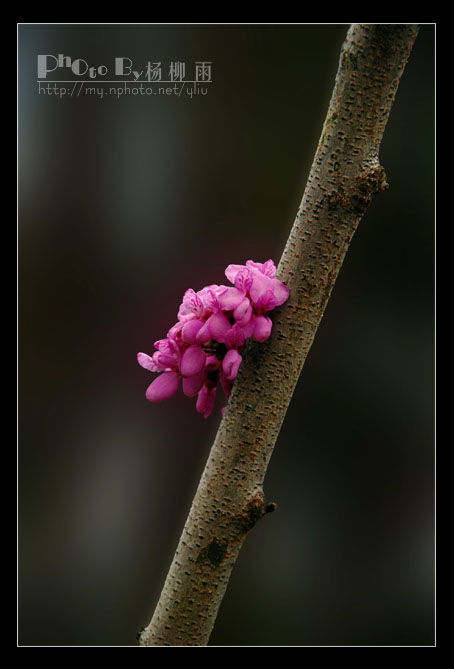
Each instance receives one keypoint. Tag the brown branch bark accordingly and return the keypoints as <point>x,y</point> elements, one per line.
<point>345,174</point>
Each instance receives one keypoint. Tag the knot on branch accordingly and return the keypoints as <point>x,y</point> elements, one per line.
<point>255,509</point>
<point>371,180</point>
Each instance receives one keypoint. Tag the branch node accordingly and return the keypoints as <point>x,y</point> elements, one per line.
<point>253,511</point>
<point>271,507</point>
<point>372,179</point>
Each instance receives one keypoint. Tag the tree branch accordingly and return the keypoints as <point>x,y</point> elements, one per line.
<point>345,174</point>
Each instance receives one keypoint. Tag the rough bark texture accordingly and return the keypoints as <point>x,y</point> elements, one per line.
<point>344,176</point>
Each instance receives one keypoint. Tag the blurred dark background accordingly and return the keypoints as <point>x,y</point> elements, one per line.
<point>124,204</point>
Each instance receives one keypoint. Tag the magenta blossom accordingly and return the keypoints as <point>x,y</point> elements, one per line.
<point>204,347</point>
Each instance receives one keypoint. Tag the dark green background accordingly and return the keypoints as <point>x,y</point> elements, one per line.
<point>123,205</point>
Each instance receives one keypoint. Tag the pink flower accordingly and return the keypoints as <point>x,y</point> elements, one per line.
<point>192,361</point>
<point>146,362</point>
<point>216,327</point>
<point>268,268</point>
<point>234,338</point>
<point>205,401</point>
<point>256,279</point>
<point>263,284</point>
<point>191,305</point>
<point>262,328</point>
<point>192,384</point>
<point>231,363</point>
<point>163,387</point>
<point>204,346</point>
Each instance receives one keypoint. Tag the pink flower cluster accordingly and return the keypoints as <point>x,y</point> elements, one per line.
<point>206,343</point>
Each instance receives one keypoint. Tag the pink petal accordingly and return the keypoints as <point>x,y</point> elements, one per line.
<point>248,326</point>
<point>260,285</point>
<point>230,364</point>
<point>230,299</point>
<point>232,270</point>
<point>245,319</point>
<point>241,309</point>
<point>205,401</point>
<point>212,364</point>
<point>174,334</point>
<point>192,384</point>
<point>225,384</point>
<point>146,362</point>
<point>262,328</point>
<point>204,334</point>
<point>210,296</point>
<point>190,330</point>
<point>219,326</point>
<point>267,301</point>
<point>164,361</point>
<point>192,360</point>
<point>167,346</point>
<point>268,268</point>
<point>234,337</point>
<point>191,304</point>
<point>163,387</point>
<point>280,291</point>
<point>243,280</point>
